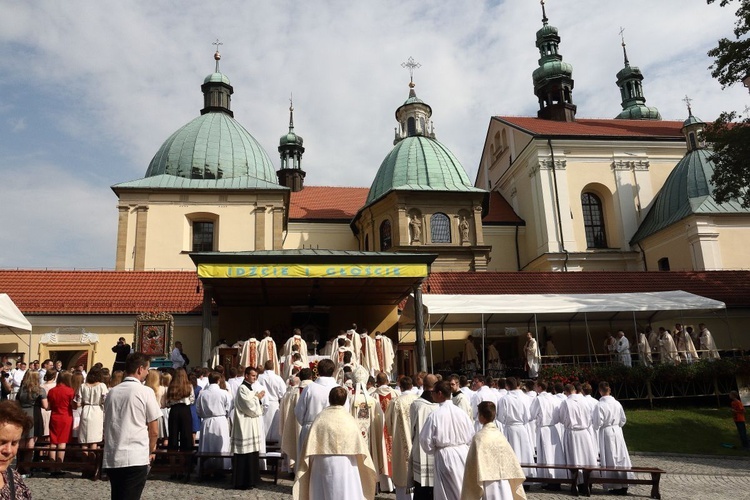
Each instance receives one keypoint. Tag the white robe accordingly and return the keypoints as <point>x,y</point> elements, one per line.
<point>707,345</point>
<point>459,399</point>
<point>609,417</point>
<point>667,350</point>
<point>533,357</point>
<point>246,429</point>
<point>549,447</point>
<point>275,390</point>
<point>249,356</point>
<point>482,394</point>
<point>623,351</point>
<point>312,401</point>
<point>213,405</point>
<point>398,426</point>
<point>644,350</point>
<point>421,464</point>
<point>492,469</point>
<point>447,434</point>
<point>367,355</point>
<point>298,340</point>
<point>579,446</point>
<point>385,354</point>
<point>267,352</point>
<point>513,413</point>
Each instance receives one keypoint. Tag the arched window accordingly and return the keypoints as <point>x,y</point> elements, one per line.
<point>440,228</point>
<point>385,235</point>
<point>593,221</point>
<point>203,236</point>
<point>411,126</point>
<point>663,264</point>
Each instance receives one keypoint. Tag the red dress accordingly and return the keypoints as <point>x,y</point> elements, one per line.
<point>61,417</point>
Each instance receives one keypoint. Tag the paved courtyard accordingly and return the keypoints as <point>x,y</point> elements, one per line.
<point>689,477</point>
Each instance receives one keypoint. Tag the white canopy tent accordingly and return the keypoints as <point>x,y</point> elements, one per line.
<point>524,308</point>
<point>12,319</point>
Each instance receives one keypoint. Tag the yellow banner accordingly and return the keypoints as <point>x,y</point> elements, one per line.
<point>312,271</point>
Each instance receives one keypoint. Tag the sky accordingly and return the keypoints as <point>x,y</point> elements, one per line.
<point>89,90</point>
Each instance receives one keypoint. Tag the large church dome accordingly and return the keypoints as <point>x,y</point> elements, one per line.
<point>213,145</point>
<point>419,163</point>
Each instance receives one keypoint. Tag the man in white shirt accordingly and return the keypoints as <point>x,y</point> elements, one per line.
<point>17,377</point>
<point>482,392</point>
<point>46,365</point>
<point>177,358</point>
<point>234,380</point>
<point>131,428</point>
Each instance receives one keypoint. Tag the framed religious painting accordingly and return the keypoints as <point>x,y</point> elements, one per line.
<point>154,334</point>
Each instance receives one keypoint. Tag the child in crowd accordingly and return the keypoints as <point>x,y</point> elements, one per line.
<point>738,413</point>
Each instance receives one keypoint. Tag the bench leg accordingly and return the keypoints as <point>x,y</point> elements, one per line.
<point>655,478</point>
<point>574,482</point>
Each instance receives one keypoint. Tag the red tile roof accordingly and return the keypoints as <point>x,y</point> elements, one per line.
<point>730,287</point>
<point>102,292</point>
<point>605,128</point>
<point>327,203</point>
<point>500,212</point>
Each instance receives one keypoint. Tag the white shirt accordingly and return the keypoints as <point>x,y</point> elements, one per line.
<point>17,378</point>
<point>314,399</point>
<point>274,384</point>
<point>128,409</point>
<point>177,360</point>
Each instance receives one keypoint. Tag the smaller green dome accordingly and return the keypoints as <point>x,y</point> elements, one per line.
<point>217,78</point>
<point>629,72</point>
<point>691,120</point>
<point>290,139</point>
<point>639,112</point>
<point>552,69</point>
<point>545,31</point>
<point>419,163</point>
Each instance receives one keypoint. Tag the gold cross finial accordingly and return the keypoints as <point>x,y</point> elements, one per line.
<point>217,55</point>
<point>544,13</point>
<point>412,65</point>
<point>624,52</point>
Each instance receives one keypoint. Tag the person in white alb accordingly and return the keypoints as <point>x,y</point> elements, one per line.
<point>422,464</point>
<point>368,357</point>
<point>608,420</point>
<point>482,392</point>
<point>246,433</point>
<point>131,428</point>
<point>296,339</point>
<point>707,345</point>
<point>177,357</point>
<point>549,448</point>
<point>313,400</point>
<point>579,446</point>
<point>447,434</point>
<point>213,405</point>
<point>622,347</point>
<point>459,398</point>
<point>275,389</point>
<point>532,355</point>
<point>267,352</point>
<point>513,413</point>
<point>398,425</point>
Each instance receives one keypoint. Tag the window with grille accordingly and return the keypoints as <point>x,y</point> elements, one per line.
<point>593,221</point>
<point>203,236</point>
<point>440,228</point>
<point>385,235</point>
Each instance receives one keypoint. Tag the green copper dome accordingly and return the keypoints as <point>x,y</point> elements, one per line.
<point>212,146</point>
<point>419,163</point>
<point>639,112</point>
<point>217,78</point>
<point>552,69</point>
<point>687,191</point>
<point>290,139</point>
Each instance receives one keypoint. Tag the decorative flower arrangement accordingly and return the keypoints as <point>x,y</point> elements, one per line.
<point>314,368</point>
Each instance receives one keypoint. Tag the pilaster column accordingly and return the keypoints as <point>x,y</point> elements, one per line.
<point>206,323</point>
<point>141,224</point>
<point>278,227</point>
<point>260,228</point>
<point>122,237</point>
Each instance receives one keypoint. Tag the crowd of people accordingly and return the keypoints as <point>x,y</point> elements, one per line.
<point>663,346</point>
<point>341,427</point>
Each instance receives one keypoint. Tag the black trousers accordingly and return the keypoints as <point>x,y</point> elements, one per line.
<point>127,483</point>
<point>245,470</point>
<point>180,428</point>
<point>422,492</point>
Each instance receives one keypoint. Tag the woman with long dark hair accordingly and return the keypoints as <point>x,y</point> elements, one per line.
<point>33,398</point>
<point>179,400</point>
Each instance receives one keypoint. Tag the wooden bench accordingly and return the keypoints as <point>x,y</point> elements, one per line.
<point>173,462</point>
<point>203,456</point>
<point>572,478</point>
<point>273,464</point>
<point>76,458</point>
<point>272,459</point>
<point>589,478</point>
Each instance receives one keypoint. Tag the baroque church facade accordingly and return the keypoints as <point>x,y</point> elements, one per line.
<point>553,193</point>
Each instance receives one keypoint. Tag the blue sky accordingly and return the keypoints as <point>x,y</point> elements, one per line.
<point>90,90</point>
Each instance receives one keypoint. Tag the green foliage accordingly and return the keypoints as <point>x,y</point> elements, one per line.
<point>731,145</point>
<point>732,57</point>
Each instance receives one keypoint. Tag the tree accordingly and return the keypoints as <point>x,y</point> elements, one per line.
<point>730,137</point>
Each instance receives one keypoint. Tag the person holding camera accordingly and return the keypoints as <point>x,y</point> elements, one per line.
<point>121,350</point>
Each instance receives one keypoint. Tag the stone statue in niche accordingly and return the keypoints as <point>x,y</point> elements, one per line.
<point>463,226</point>
<point>415,227</point>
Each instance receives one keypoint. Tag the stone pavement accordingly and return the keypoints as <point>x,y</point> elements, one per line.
<point>688,477</point>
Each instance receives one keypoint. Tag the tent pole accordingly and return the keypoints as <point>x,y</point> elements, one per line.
<point>590,343</point>
<point>442,334</point>
<point>729,328</point>
<point>536,335</point>
<point>484,364</point>
<point>429,337</point>
<point>419,325</point>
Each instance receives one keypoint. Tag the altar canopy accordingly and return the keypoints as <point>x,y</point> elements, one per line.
<point>565,306</point>
<point>12,319</point>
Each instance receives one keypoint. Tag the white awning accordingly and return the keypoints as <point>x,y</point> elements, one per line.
<point>11,318</point>
<point>565,303</point>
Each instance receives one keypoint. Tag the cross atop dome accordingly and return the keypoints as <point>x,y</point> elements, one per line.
<point>688,101</point>
<point>411,64</point>
<point>217,55</point>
